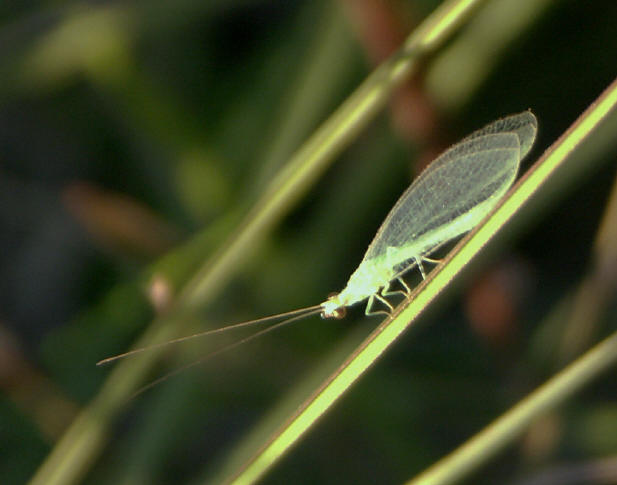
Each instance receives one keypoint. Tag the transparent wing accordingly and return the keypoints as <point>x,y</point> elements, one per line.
<point>469,174</point>
<point>524,125</point>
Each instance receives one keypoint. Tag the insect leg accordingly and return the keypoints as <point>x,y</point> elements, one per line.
<point>385,302</point>
<point>371,301</point>
<point>427,260</point>
<point>387,291</point>
<point>406,290</point>
<point>420,267</point>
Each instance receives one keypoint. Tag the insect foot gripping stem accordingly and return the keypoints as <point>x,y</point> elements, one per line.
<point>333,308</point>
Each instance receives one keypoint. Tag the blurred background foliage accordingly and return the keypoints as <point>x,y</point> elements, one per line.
<point>135,134</point>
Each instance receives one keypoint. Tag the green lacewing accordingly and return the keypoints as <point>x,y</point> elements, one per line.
<point>449,198</point>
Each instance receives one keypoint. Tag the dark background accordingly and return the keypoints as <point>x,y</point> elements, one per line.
<point>132,134</point>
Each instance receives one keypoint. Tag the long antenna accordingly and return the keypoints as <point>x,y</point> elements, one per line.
<point>295,314</point>
<point>307,312</point>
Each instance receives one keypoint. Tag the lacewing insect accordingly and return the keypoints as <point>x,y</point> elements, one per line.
<point>449,198</point>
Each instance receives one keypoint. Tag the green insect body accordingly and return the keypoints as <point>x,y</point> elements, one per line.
<point>451,196</point>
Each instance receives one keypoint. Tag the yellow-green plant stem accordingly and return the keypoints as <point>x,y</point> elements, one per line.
<point>463,66</point>
<point>77,449</point>
<point>386,334</point>
<point>508,427</point>
<point>329,140</point>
